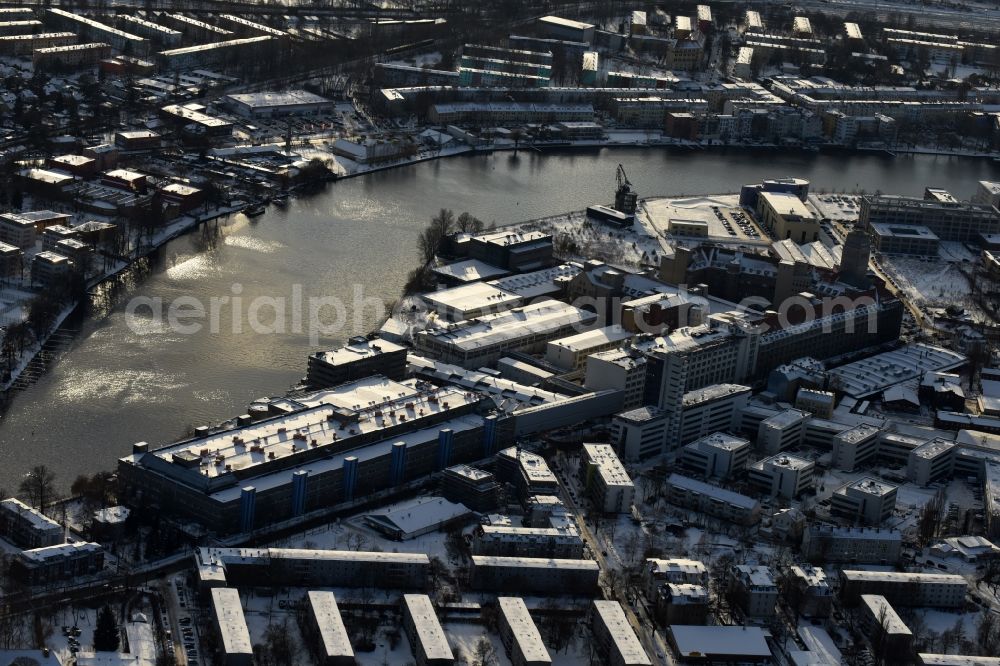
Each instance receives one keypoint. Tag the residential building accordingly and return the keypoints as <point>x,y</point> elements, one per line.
<point>725,504</point>
<point>17,230</point>
<point>605,479</point>
<point>26,527</point>
<point>535,576</point>
<point>677,571</point>
<point>856,545</point>
<point>62,562</point>
<point>311,568</point>
<point>96,31</point>
<point>519,634</point>
<point>327,629</point>
<point>70,55</point>
<point>811,594</point>
<point>935,590</point>
<point>681,604</point>
<point>423,629</point>
<point>615,638</point>
<point>755,589</point>
<point>510,541</point>
<point>20,45</point>
<point>884,626</point>
<point>561,28</point>
<point>694,644</point>
<point>235,645</point>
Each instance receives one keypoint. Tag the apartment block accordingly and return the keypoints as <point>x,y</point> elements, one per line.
<point>605,479</point>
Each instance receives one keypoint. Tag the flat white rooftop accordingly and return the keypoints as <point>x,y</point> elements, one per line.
<point>625,641</point>
<point>698,641</point>
<point>433,642</point>
<point>523,628</point>
<point>228,610</point>
<point>333,634</point>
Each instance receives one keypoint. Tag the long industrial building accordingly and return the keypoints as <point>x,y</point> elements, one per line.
<point>314,452</point>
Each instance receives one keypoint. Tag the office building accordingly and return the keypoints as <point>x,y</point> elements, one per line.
<point>855,545</point>
<point>278,104</point>
<point>948,220</point>
<point>935,590</point>
<point>608,484</point>
<point>818,403</point>
<point>786,216</point>
<point>50,269</point>
<point>230,623</point>
<point>709,499</point>
<point>423,629</point>
<point>519,634</point>
<point>714,408</point>
<point>639,433</point>
<point>26,527</point>
<point>615,638</point>
<point>625,370</point>
<point>482,341</point>
<point>784,430</point>
<point>931,461</point>
<point>867,501</point>
<point>782,475</point>
<point>855,447</point>
<point>910,239</point>
<point>755,589</point>
<point>571,353</point>
<point>534,576</point>
<point>314,452</point>
<point>473,487</point>
<point>325,627</point>
<point>360,357</point>
<point>718,455</point>
<point>11,261</point>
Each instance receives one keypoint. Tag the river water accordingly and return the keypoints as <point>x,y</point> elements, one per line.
<point>128,378</point>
